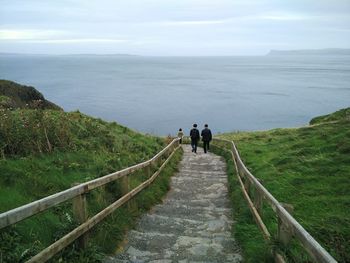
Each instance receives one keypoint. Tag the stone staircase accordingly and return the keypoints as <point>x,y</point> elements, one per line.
<point>194,222</point>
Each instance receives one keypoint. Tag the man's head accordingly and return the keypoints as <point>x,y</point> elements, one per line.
<point>206,125</point>
<point>195,125</point>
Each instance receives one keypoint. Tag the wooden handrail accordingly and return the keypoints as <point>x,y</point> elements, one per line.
<point>20,213</point>
<point>314,249</point>
<point>48,252</point>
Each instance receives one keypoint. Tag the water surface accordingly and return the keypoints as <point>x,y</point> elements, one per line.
<point>161,94</point>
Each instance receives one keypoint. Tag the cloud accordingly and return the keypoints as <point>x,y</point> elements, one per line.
<point>27,34</point>
<point>188,26</point>
<point>50,37</point>
<point>192,22</point>
<point>77,40</point>
<point>277,16</point>
<point>284,17</point>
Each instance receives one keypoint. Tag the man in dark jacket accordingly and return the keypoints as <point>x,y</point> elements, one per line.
<point>194,134</point>
<point>206,137</point>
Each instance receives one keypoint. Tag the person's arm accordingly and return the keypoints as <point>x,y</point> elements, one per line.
<point>210,136</point>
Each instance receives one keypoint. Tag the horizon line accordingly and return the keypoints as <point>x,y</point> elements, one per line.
<point>138,55</point>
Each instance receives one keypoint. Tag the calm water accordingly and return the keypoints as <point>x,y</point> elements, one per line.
<point>159,95</point>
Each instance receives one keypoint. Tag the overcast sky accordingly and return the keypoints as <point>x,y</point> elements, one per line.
<point>172,27</point>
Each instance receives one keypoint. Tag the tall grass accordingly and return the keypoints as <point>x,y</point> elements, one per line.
<point>245,230</point>
<point>309,168</point>
<point>43,152</point>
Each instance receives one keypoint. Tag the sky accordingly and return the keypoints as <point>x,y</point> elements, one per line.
<point>172,27</point>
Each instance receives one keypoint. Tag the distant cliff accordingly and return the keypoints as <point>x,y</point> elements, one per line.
<point>313,52</point>
<point>14,95</point>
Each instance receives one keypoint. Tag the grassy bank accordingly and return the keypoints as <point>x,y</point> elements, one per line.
<point>309,168</point>
<point>254,248</point>
<point>47,151</point>
<point>44,150</point>
<point>108,236</point>
<point>81,148</point>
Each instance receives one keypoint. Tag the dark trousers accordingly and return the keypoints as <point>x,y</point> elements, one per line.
<point>194,144</point>
<point>206,146</point>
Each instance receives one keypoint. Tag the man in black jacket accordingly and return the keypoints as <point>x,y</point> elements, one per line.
<point>206,137</point>
<point>194,134</point>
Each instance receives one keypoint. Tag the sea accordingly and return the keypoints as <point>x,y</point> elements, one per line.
<point>159,95</point>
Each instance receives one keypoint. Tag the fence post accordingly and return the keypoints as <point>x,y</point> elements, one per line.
<point>285,233</point>
<point>80,214</point>
<point>157,162</point>
<point>148,171</point>
<point>171,149</point>
<point>240,173</point>
<point>247,184</point>
<point>125,184</point>
<point>258,201</point>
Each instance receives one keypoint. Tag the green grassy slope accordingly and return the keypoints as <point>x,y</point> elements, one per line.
<point>309,168</point>
<point>81,148</point>
<point>46,151</point>
<point>14,95</point>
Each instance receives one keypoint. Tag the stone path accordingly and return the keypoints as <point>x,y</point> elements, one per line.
<point>193,224</point>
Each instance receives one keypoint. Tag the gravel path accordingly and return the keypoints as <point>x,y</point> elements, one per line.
<point>193,224</point>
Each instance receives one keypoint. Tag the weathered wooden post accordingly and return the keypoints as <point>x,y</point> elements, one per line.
<point>240,173</point>
<point>148,171</point>
<point>158,162</point>
<point>285,232</point>
<point>258,201</point>
<point>125,184</point>
<point>170,150</point>
<point>247,185</point>
<point>125,187</point>
<point>80,214</point>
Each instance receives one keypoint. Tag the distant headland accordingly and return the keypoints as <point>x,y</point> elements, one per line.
<point>310,52</point>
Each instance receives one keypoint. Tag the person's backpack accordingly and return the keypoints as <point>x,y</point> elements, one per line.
<point>194,134</point>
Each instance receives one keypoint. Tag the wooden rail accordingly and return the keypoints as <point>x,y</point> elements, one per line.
<point>78,194</point>
<point>288,227</point>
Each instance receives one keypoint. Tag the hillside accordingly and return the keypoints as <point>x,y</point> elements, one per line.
<point>311,52</point>
<point>15,96</point>
<point>308,167</point>
<point>44,150</point>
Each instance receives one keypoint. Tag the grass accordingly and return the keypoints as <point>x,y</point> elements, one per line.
<point>46,151</point>
<point>254,248</point>
<point>309,168</point>
<point>107,237</point>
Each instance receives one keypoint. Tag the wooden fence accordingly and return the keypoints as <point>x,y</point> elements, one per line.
<point>78,195</point>
<point>255,193</point>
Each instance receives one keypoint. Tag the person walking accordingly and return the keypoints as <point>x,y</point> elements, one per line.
<point>206,137</point>
<point>180,134</point>
<point>194,134</point>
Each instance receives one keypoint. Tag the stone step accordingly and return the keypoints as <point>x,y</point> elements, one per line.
<point>160,247</point>
<point>169,224</point>
<point>222,203</point>
<point>193,224</point>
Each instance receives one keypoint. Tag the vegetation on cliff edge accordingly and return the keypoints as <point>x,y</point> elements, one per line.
<point>307,167</point>
<point>44,150</point>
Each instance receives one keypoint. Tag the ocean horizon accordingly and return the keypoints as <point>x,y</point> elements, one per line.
<point>159,95</point>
